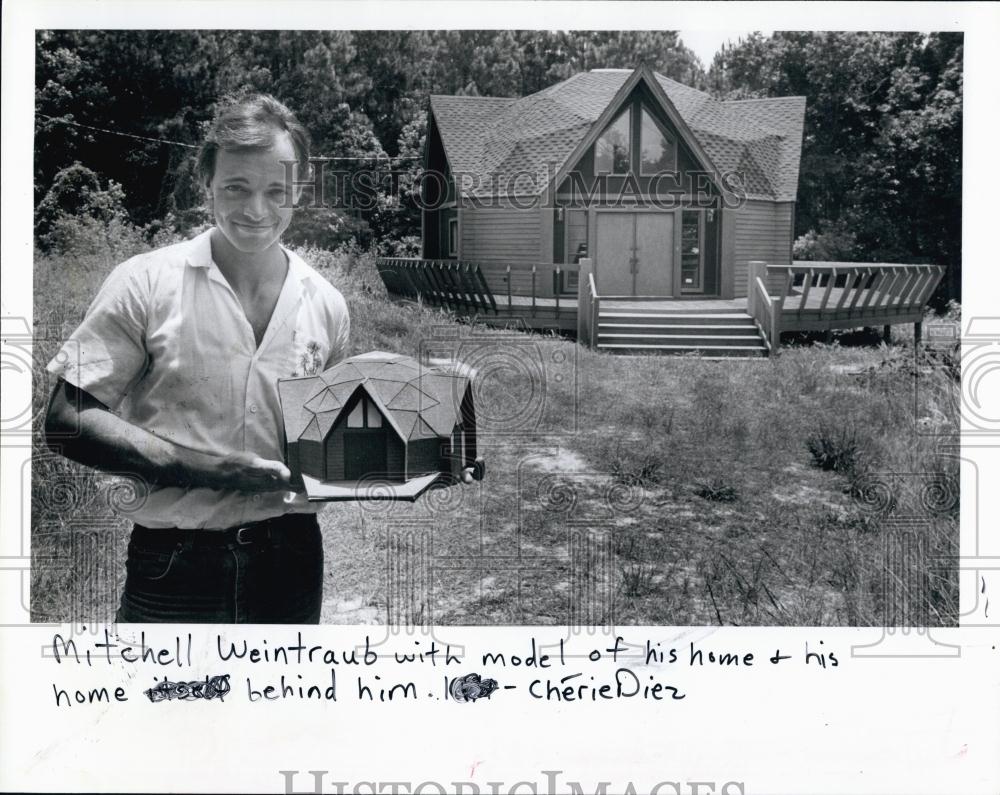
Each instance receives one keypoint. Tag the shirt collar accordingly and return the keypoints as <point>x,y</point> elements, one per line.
<point>298,281</point>
<point>199,255</point>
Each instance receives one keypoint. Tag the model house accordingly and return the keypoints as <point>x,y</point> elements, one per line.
<point>379,426</point>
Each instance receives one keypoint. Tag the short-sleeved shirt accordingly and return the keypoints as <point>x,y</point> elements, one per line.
<point>167,346</point>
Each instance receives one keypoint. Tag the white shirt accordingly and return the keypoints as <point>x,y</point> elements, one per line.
<point>167,345</point>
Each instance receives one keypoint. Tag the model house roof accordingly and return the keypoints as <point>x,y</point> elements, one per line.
<point>420,402</point>
<point>484,136</point>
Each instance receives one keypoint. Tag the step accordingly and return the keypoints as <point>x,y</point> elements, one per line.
<point>749,329</point>
<point>713,351</point>
<point>677,309</point>
<point>699,340</point>
<point>670,318</point>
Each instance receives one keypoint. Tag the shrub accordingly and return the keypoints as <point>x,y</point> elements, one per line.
<point>638,579</point>
<point>632,466</point>
<point>406,246</point>
<point>836,243</point>
<point>835,449</point>
<point>76,197</point>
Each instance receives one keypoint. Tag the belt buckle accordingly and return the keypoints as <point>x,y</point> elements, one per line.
<point>242,536</point>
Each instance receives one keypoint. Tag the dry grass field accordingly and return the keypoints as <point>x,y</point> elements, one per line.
<point>806,489</point>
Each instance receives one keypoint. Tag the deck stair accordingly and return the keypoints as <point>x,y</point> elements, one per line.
<point>713,334</point>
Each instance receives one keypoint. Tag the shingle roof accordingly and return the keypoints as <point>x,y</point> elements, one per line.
<point>486,136</point>
<point>420,402</point>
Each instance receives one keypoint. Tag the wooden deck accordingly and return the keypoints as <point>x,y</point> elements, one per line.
<point>792,309</point>
<point>802,296</point>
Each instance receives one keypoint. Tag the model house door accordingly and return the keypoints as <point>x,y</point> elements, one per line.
<point>364,453</point>
<point>365,442</point>
<point>634,253</point>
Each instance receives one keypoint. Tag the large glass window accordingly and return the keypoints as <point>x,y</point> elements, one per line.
<point>657,148</point>
<point>452,237</point>
<point>612,154</point>
<point>691,251</point>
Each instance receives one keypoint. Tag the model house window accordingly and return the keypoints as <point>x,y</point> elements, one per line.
<point>364,415</point>
<point>612,154</point>
<point>657,149</point>
<point>452,237</point>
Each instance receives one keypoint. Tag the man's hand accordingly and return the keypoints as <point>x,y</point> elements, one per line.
<point>250,473</point>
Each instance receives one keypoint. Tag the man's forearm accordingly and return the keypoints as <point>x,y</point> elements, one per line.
<point>107,442</point>
<point>82,428</point>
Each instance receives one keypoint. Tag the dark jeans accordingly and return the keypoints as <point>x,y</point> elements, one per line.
<point>270,574</point>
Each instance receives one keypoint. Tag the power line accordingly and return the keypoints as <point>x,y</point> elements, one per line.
<point>116,132</point>
<point>194,146</point>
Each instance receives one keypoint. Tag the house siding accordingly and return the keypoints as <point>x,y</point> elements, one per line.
<point>310,458</point>
<point>335,454</point>
<point>501,235</point>
<point>395,457</point>
<point>763,232</point>
<point>425,456</point>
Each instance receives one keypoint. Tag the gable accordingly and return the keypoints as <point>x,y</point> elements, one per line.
<point>484,136</point>
<point>648,127</point>
<point>365,392</point>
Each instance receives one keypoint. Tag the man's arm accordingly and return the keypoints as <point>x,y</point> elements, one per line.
<point>82,428</point>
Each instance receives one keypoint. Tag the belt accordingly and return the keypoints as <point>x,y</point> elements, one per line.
<point>241,535</point>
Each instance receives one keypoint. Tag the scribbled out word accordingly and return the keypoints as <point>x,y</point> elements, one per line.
<point>470,687</point>
<point>210,687</point>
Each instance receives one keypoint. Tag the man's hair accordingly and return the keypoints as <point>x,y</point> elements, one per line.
<point>249,123</point>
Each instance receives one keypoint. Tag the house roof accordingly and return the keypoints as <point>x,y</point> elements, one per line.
<point>420,402</point>
<point>484,136</point>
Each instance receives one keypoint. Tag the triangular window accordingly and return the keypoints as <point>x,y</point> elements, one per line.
<point>658,150</point>
<point>364,414</point>
<point>612,155</point>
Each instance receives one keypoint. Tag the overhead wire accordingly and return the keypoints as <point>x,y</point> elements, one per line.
<point>194,146</point>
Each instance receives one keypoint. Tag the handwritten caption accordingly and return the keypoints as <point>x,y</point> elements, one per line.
<point>264,671</point>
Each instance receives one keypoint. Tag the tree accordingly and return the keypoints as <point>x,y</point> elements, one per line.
<point>363,95</point>
<point>881,162</point>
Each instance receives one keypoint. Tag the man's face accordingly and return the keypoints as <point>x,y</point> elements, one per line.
<point>251,198</point>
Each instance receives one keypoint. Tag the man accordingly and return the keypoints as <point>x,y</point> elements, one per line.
<point>173,377</point>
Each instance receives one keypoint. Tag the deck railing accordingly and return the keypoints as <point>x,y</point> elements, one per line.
<point>466,285</point>
<point>828,295</point>
<point>764,309</point>
<point>588,305</point>
<point>447,283</point>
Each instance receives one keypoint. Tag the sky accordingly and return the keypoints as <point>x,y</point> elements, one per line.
<point>706,43</point>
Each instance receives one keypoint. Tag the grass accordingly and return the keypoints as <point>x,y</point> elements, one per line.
<point>716,490</point>
<point>660,490</point>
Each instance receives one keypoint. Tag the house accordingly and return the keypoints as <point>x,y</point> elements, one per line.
<point>380,426</point>
<point>639,214</point>
<point>671,192</point>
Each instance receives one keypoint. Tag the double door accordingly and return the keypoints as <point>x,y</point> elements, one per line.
<point>634,253</point>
